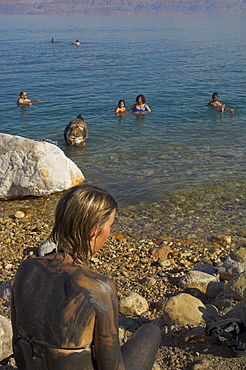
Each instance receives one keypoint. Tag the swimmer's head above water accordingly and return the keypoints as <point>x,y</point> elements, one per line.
<point>140,99</point>
<point>215,96</point>
<point>121,103</point>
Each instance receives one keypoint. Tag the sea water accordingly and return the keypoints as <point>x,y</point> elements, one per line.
<point>177,62</point>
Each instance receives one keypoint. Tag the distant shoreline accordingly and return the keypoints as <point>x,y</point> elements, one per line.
<point>119,7</point>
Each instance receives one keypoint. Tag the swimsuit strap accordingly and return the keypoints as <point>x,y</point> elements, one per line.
<point>21,339</point>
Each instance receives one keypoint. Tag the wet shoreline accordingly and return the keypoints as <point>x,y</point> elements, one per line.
<point>184,214</point>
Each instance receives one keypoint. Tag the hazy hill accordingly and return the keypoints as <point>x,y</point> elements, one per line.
<point>123,7</point>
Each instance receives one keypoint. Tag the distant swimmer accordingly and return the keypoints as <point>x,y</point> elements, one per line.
<point>121,107</point>
<point>78,132</point>
<point>76,42</point>
<point>23,99</point>
<point>52,40</point>
<point>140,105</point>
<point>217,104</point>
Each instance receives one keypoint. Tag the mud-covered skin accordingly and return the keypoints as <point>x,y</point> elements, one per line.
<point>65,304</point>
<point>76,128</point>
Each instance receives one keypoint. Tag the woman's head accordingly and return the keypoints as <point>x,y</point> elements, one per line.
<point>121,103</point>
<point>140,97</point>
<point>215,96</point>
<point>80,217</point>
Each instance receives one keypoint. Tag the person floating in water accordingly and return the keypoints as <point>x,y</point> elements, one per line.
<point>76,42</point>
<point>217,104</point>
<point>140,105</point>
<point>78,132</point>
<point>64,313</point>
<point>121,107</point>
<point>23,99</point>
<point>52,40</point>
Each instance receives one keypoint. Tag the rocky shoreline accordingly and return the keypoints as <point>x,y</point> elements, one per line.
<point>194,236</point>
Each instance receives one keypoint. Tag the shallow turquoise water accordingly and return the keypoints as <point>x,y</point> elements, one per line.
<point>176,62</point>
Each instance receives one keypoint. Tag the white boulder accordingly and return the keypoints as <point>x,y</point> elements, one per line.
<point>5,338</point>
<point>34,168</point>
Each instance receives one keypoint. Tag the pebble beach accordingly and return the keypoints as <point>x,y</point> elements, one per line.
<point>196,232</point>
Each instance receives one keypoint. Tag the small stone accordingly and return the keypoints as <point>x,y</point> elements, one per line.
<point>8,266</point>
<point>19,214</point>
<point>133,305</point>
<point>161,252</point>
<point>163,262</point>
<point>156,367</point>
<point>94,260</point>
<point>221,239</point>
<point>150,281</point>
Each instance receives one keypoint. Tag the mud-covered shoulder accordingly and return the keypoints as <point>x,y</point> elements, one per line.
<point>94,280</point>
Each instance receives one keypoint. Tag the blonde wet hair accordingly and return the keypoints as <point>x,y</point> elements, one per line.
<point>81,214</point>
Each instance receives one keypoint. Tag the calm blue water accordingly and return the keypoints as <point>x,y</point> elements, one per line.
<point>177,62</point>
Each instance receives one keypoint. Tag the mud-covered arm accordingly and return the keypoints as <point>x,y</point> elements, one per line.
<point>106,337</point>
<point>85,132</point>
<point>67,128</point>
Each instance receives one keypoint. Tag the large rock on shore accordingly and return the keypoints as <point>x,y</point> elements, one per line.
<point>234,264</point>
<point>5,338</point>
<point>239,310</point>
<point>235,287</point>
<point>184,309</point>
<point>34,168</point>
<point>196,279</point>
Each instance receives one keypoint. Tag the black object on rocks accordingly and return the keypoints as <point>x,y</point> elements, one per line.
<point>228,332</point>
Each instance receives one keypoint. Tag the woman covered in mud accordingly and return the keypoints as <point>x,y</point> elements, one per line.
<point>64,314</point>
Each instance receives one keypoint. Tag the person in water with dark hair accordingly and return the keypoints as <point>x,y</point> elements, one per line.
<point>23,100</point>
<point>217,104</point>
<point>121,107</point>
<point>78,132</point>
<point>75,43</point>
<point>140,105</point>
<point>64,313</point>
